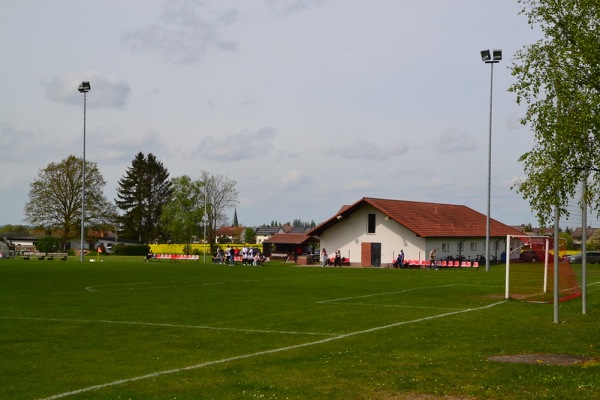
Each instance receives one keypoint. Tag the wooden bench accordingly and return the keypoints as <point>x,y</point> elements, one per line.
<point>282,256</point>
<point>61,256</point>
<point>32,254</point>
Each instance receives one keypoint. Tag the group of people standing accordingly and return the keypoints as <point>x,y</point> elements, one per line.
<point>337,258</point>
<point>399,262</point>
<point>249,256</point>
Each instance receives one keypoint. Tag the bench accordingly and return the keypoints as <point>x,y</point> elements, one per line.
<point>60,256</point>
<point>282,256</point>
<point>33,254</point>
<point>343,261</point>
<point>175,257</point>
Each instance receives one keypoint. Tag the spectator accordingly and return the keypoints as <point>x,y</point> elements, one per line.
<point>324,258</point>
<point>244,255</point>
<point>337,261</point>
<point>432,259</point>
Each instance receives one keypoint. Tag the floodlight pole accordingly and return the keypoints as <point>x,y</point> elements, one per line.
<point>489,58</point>
<point>584,249</point>
<point>204,223</point>
<point>556,266</point>
<point>83,88</point>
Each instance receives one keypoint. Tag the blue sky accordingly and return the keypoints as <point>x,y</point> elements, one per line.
<point>307,104</point>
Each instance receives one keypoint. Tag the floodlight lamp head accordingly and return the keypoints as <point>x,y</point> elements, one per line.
<point>84,87</point>
<point>485,55</point>
<point>497,55</point>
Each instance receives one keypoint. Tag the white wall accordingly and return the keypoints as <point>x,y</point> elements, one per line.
<point>348,234</point>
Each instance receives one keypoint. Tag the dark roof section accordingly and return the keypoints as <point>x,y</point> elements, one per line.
<point>426,219</point>
<point>288,238</point>
<point>267,230</point>
<point>589,232</point>
<point>294,229</point>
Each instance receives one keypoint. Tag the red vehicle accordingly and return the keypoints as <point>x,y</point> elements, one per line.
<point>532,256</point>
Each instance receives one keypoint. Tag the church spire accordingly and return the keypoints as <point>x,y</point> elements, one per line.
<point>235,219</point>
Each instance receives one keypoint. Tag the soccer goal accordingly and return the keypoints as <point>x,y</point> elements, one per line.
<point>528,275</point>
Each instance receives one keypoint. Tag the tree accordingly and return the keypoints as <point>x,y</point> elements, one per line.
<point>304,224</point>
<point>558,78</point>
<point>593,243</point>
<point>249,235</point>
<point>182,215</point>
<point>142,194</point>
<point>55,197</point>
<point>220,195</point>
<point>15,229</point>
<point>567,239</point>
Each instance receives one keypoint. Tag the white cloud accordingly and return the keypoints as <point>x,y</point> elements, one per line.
<point>294,179</point>
<point>362,149</point>
<point>183,34</point>
<point>290,6</point>
<point>239,146</point>
<point>360,186</point>
<point>115,146</point>
<point>108,91</point>
<point>453,141</point>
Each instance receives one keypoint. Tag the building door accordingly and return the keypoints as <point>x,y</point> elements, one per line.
<point>370,254</point>
<point>376,254</point>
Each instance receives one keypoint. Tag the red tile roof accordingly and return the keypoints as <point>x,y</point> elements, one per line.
<point>230,230</point>
<point>288,238</point>
<point>428,219</point>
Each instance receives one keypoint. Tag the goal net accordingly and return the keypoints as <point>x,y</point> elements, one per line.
<point>530,270</point>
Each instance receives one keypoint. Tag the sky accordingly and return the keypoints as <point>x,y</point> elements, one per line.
<point>308,105</point>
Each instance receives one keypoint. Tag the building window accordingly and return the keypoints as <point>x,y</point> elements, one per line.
<point>460,247</point>
<point>445,247</point>
<point>473,246</point>
<point>371,224</point>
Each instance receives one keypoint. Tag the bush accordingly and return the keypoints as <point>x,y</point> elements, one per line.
<point>131,250</point>
<point>48,244</point>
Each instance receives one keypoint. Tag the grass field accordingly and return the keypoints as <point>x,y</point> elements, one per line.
<point>125,329</point>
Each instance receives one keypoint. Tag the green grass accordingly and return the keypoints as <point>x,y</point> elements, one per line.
<point>125,329</point>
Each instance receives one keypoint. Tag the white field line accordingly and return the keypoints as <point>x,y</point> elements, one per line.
<point>381,294</point>
<point>138,286</point>
<point>560,291</point>
<point>114,287</point>
<point>401,306</point>
<point>260,353</point>
<point>214,328</point>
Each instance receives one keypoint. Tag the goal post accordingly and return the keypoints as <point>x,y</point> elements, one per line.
<point>526,241</point>
<point>532,281</point>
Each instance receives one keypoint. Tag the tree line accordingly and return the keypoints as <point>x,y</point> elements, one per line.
<point>150,206</point>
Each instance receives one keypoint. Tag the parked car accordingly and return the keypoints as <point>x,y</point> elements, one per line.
<point>531,256</point>
<point>592,257</point>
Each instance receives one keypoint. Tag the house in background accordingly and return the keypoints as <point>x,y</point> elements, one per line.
<point>578,235</point>
<point>371,232</point>
<point>262,233</point>
<point>19,243</point>
<point>230,234</point>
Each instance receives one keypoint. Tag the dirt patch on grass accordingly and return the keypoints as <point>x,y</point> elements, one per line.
<point>548,359</point>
